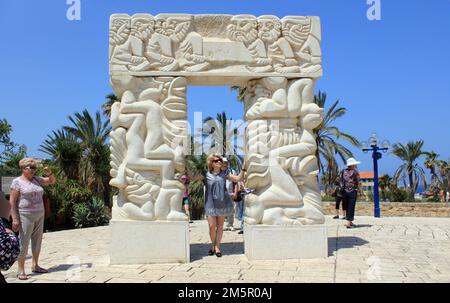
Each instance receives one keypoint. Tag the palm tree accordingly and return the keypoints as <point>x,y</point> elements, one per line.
<point>10,160</point>
<point>196,165</point>
<point>409,154</point>
<point>240,90</point>
<point>431,163</point>
<point>65,150</point>
<point>94,164</point>
<point>106,107</point>
<point>331,172</point>
<point>5,131</point>
<point>327,135</point>
<point>384,183</point>
<point>220,131</point>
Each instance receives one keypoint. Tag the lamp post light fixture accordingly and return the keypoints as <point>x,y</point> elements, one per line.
<point>376,155</point>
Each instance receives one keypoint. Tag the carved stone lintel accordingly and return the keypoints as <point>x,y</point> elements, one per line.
<point>215,45</point>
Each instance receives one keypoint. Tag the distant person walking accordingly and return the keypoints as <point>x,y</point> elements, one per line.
<point>229,187</point>
<point>351,184</point>
<point>27,211</point>
<point>218,203</point>
<point>338,194</point>
<point>238,198</point>
<point>186,200</point>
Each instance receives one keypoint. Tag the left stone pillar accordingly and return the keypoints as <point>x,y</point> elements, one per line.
<point>147,158</point>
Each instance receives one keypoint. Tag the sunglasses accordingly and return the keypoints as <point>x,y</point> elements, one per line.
<point>217,160</point>
<point>31,167</point>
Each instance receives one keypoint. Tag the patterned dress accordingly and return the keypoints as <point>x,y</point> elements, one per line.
<point>9,248</point>
<point>217,200</point>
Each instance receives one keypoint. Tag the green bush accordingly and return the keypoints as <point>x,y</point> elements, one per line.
<point>371,196</point>
<point>63,196</point>
<point>396,194</point>
<point>90,214</point>
<point>196,196</point>
<point>327,198</point>
<point>433,199</point>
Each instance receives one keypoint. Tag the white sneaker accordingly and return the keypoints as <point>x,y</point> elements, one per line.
<point>232,228</point>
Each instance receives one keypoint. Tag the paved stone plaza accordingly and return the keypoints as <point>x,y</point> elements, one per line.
<point>378,250</point>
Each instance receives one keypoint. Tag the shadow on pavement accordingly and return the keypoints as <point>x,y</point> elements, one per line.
<point>362,225</point>
<point>200,250</point>
<point>66,267</point>
<point>336,243</point>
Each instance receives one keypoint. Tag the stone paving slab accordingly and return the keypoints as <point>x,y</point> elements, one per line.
<point>378,250</point>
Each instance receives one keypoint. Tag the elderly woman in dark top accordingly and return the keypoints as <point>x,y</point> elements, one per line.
<point>352,185</point>
<point>218,202</point>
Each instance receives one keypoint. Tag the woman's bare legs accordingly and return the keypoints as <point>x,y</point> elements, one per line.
<point>220,222</point>
<point>212,222</point>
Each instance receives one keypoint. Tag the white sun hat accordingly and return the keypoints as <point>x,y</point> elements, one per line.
<point>352,161</point>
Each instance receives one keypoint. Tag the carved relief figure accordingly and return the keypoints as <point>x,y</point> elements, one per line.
<point>174,45</point>
<point>282,160</point>
<point>118,34</point>
<point>128,50</point>
<point>303,34</point>
<point>144,166</point>
<point>244,28</point>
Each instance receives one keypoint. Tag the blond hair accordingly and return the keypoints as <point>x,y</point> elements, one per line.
<point>27,162</point>
<point>210,160</point>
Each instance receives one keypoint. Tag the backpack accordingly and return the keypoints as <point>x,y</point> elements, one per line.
<point>339,191</point>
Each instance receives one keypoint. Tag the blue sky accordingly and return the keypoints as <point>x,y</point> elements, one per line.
<point>392,74</point>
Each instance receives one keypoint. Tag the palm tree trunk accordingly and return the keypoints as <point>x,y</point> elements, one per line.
<point>411,183</point>
<point>107,191</point>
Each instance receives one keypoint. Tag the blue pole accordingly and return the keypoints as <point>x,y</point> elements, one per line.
<point>376,199</point>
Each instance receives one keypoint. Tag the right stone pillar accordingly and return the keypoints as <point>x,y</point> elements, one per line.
<point>284,217</point>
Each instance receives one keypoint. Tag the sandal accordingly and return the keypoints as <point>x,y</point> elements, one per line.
<point>210,252</point>
<point>22,276</point>
<point>39,270</point>
<point>218,254</point>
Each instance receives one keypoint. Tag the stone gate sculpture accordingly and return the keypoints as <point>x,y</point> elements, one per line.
<point>154,58</point>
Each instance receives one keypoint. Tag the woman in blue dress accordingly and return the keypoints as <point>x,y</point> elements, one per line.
<point>218,203</point>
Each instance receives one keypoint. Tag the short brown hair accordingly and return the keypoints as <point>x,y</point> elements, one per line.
<point>27,162</point>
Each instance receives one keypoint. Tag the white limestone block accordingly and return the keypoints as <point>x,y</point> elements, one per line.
<point>267,242</point>
<point>144,242</point>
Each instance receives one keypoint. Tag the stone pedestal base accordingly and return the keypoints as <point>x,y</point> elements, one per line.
<point>264,242</point>
<point>142,242</point>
